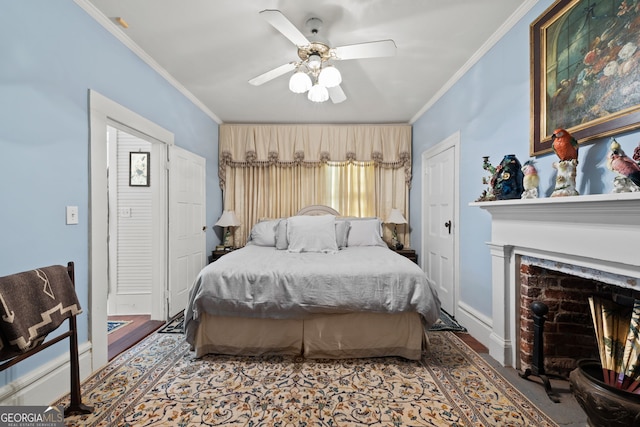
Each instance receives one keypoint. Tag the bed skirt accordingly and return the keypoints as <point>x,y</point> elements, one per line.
<point>335,336</point>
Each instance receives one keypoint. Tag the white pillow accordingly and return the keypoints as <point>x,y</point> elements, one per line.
<point>281,235</point>
<point>342,233</point>
<point>366,232</point>
<point>312,234</point>
<point>263,233</point>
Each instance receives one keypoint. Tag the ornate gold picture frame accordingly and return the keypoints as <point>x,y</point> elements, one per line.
<point>585,70</point>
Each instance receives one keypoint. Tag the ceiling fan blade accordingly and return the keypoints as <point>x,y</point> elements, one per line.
<point>282,24</point>
<point>336,94</point>
<point>376,49</point>
<point>270,75</point>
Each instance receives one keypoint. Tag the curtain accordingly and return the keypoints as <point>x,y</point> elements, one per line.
<point>272,171</point>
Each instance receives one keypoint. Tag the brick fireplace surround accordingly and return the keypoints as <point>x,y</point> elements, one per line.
<point>568,329</point>
<point>561,250</point>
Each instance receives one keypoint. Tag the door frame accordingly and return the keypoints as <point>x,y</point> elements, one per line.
<point>103,112</point>
<point>452,141</point>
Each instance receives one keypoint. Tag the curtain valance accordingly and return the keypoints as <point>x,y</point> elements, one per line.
<point>244,145</point>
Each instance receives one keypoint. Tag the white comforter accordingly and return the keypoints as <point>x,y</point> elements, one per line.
<point>264,282</point>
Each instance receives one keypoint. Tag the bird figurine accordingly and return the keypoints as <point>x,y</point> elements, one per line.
<point>530,181</point>
<point>564,145</point>
<point>626,167</point>
<point>507,180</point>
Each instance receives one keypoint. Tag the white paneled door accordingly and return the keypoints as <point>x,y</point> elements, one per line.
<point>439,195</point>
<point>187,237</point>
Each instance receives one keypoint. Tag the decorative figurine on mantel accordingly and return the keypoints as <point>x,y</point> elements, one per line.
<point>507,181</point>
<point>530,181</point>
<point>487,195</point>
<point>566,148</point>
<point>628,170</point>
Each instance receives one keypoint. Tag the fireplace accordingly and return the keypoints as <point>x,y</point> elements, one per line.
<point>585,239</point>
<point>568,330</point>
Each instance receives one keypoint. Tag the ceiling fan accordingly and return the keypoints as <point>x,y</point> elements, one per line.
<point>313,72</point>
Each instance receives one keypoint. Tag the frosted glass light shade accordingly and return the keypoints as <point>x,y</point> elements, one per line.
<point>299,82</point>
<point>314,62</point>
<point>330,76</point>
<point>318,93</point>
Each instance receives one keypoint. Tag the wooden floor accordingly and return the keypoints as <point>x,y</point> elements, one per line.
<point>141,326</point>
<point>129,335</point>
<point>472,342</point>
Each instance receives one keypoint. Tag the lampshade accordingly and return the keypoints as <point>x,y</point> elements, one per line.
<point>318,93</point>
<point>329,76</point>
<point>314,62</point>
<point>228,219</point>
<point>300,82</point>
<point>396,217</point>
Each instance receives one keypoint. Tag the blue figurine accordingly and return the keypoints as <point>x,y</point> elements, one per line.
<point>508,178</point>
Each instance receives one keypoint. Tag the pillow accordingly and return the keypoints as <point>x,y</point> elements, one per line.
<point>263,233</point>
<point>312,234</point>
<point>342,233</point>
<point>366,232</point>
<point>281,235</point>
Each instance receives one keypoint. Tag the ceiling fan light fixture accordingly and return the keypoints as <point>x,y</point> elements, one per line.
<point>314,62</point>
<point>330,76</point>
<point>300,82</point>
<point>318,93</point>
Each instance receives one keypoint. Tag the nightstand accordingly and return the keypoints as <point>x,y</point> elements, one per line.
<point>218,253</point>
<point>407,252</point>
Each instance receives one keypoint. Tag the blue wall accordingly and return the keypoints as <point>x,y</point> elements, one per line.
<point>490,107</point>
<point>52,53</point>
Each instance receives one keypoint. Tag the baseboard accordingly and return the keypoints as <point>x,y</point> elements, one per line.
<point>478,325</point>
<point>47,383</point>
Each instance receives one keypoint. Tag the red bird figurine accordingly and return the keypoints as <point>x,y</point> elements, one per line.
<point>564,145</point>
<point>619,162</point>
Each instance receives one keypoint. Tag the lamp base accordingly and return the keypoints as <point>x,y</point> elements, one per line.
<point>395,244</point>
<point>228,238</point>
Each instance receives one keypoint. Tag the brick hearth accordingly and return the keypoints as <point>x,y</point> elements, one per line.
<point>568,329</point>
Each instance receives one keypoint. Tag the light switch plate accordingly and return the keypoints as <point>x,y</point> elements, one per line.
<point>72,215</point>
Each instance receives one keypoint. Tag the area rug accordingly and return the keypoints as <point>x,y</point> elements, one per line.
<point>113,325</point>
<point>444,323</point>
<point>447,323</point>
<point>159,382</point>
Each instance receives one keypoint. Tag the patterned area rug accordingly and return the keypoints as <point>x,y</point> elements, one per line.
<point>158,382</point>
<point>445,323</point>
<point>113,325</point>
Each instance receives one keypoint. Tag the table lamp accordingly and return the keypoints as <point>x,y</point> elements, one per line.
<point>228,220</point>
<point>396,217</point>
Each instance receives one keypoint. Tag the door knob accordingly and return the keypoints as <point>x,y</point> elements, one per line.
<point>204,228</point>
<point>448,225</point>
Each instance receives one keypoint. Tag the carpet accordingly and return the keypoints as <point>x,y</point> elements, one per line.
<point>444,323</point>
<point>113,325</point>
<point>159,382</point>
<point>447,323</point>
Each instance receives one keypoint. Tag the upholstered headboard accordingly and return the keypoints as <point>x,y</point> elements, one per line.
<point>317,210</point>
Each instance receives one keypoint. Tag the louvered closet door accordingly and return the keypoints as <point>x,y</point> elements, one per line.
<point>187,226</point>
<point>131,214</point>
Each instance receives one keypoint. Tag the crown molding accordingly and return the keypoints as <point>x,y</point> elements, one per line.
<point>125,40</point>
<point>495,37</point>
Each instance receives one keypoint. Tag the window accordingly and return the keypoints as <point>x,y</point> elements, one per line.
<point>350,188</point>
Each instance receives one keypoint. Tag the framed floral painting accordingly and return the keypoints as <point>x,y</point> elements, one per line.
<point>585,70</point>
<point>139,169</point>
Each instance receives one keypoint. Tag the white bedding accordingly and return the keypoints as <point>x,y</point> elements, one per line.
<point>263,282</point>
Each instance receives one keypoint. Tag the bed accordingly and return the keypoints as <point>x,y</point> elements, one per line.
<point>315,285</point>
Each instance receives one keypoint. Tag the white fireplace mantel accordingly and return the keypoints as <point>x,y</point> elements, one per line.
<point>600,232</point>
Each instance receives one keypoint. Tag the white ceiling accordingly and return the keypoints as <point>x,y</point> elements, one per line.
<point>212,48</point>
